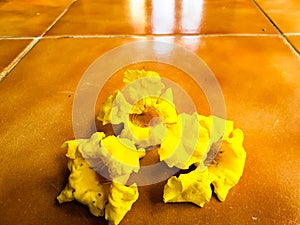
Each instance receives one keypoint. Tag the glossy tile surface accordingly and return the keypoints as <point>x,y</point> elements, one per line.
<point>255,65</point>
<point>261,89</point>
<point>29,18</point>
<point>285,14</point>
<point>162,17</point>
<point>10,49</point>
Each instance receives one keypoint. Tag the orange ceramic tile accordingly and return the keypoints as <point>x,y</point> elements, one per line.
<point>29,18</point>
<point>162,17</point>
<point>260,83</point>
<point>295,41</point>
<point>10,49</point>
<point>285,14</point>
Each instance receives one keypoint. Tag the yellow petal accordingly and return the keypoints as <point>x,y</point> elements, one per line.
<point>138,133</point>
<point>90,148</point>
<point>118,155</point>
<point>120,200</point>
<point>85,187</point>
<point>122,151</point>
<point>72,145</point>
<point>115,109</point>
<point>185,142</point>
<point>166,108</point>
<point>132,75</point>
<point>192,187</point>
<point>121,157</point>
<point>105,111</point>
<point>217,127</point>
<point>170,144</point>
<point>72,148</point>
<point>229,164</point>
<point>141,84</point>
<point>143,137</point>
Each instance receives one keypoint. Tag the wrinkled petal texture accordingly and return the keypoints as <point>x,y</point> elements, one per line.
<point>185,143</point>
<point>224,172</point>
<point>118,155</point>
<point>192,187</point>
<point>120,200</point>
<point>84,184</point>
<point>114,110</point>
<point>141,84</point>
<point>229,164</point>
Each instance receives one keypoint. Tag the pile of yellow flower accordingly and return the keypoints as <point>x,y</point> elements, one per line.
<point>149,118</point>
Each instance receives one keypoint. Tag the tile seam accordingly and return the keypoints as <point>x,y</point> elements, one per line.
<point>150,35</point>
<point>292,34</point>
<point>17,59</point>
<point>5,72</point>
<point>278,29</point>
<point>58,18</point>
<point>267,17</point>
<point>145,36</point>
<point>16,38</point>
<point>291,46</point>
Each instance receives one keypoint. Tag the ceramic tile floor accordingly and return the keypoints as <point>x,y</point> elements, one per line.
<point>252,47</point>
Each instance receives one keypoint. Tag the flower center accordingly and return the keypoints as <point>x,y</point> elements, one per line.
<point>145,119</point>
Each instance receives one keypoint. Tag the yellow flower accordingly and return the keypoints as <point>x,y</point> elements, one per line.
<point>86,157</point>
<point>141,107</point>
<point>149,118</point>
<point>227,162</point>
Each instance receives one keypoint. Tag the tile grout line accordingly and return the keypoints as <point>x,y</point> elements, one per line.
<point>19,57</point>
<point>277,28</point>
<point>143,36</point>
<point>290,45</point>
<point>267,16</point>
<point>292,34</point>
<point>28,48</point>
<point>16,38</point>
<point>57,19</point>
<point>146,36</point>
